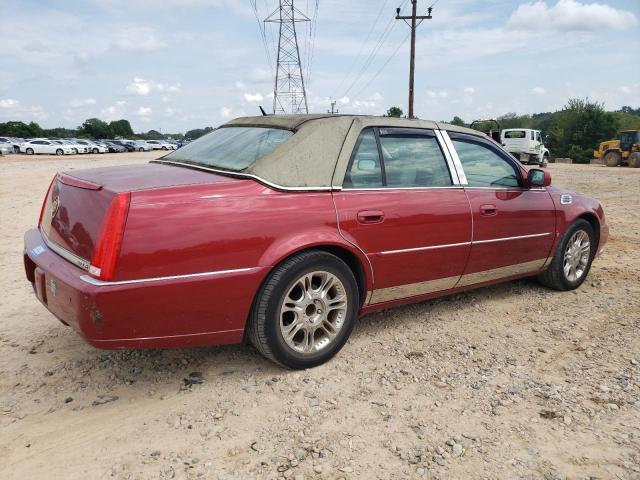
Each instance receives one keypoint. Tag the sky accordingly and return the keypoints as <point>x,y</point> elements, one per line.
<point>175,65</point>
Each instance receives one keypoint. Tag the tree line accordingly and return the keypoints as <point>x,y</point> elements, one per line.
<point>574,131</point>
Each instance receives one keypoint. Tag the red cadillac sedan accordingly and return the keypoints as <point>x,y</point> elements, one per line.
<point>285,229</point>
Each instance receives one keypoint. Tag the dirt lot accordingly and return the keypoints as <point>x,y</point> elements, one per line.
<point>512,381</point>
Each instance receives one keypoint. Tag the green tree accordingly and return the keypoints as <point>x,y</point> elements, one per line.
<point>21,129</point>
<point>95,128</point>
<point>197,133</point>
<point>121,128</point>
<point>577,130</point>
<point>458,121</point>
<point>153,135</point>
<point>394,112</point>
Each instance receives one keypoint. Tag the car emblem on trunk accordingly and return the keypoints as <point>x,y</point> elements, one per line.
<point>55,203</point>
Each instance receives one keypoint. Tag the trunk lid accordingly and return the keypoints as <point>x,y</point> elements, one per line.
<point>77,202</point>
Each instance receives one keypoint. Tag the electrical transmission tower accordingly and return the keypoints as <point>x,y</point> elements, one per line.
<point>289,95</point>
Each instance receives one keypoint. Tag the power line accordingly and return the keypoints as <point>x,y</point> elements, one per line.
<point>357,60</point>
<point>263,36</point>
<point>383,38</point>
<point>395,52</point>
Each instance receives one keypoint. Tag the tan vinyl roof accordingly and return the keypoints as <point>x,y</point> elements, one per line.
<point>318,154</point>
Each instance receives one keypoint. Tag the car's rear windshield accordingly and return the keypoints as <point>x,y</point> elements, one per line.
<point>515,134</point>
<point>231,148</point>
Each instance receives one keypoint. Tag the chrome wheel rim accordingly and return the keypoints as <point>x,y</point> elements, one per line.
<point>576,256</point>
<point>313,312</point>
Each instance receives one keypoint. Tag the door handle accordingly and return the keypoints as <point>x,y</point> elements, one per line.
<point>488,210</point>
<point>370,216</point>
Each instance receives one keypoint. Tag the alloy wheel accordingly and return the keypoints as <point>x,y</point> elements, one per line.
<point>313,312</point>
<point>576,256</point>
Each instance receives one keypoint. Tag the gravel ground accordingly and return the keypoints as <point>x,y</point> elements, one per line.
<point>511,381</point>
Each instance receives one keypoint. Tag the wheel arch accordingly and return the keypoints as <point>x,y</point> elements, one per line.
<point>593,220</point>
<point>357,265</point>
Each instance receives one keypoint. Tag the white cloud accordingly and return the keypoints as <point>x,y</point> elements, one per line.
<point>114,112</point>
<point>253,97</point>
<point>438,94</point>
<point>567,15</point>
<point>344,100</point>
<point>144,111</point>
<point>143,87</point>
<point>538,91</point>
<point>81,102</point>
<point>225,112</point>
<point>137,39</point>
<point>470,90</point>
<point>9,103</point>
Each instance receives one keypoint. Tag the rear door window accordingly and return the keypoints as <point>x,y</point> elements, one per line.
<point>413,159</point>
<point>397,158</point>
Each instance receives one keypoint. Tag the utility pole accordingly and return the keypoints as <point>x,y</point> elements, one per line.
<point>412,62</point>
<point>289,94</point>
<point>333,108</point>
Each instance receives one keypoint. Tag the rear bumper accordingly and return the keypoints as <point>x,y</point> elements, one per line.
<point>173,312</point>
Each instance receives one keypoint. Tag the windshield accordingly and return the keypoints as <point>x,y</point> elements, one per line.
<point>231,148</point>
<point>515,134</point>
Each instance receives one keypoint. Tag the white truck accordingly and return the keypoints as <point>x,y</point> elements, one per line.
<point>526,145</point>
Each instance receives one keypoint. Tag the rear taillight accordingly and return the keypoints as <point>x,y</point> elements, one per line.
<point>105,256</point>
<point>46,197</point>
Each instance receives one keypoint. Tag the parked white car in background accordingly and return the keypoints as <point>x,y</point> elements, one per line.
<point>93,147</point>
<point>45,146</point>
<point>526,145</point>
<point>6,147</point>
<point>161,145</point>
<point>140,145</point>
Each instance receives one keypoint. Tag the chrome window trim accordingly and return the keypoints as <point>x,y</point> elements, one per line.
<point>447,156</point>
<point>456,159</point>
<point>250,176</point>
<point>77,260</point>
<point>386,189</point>
<point>101,283</point>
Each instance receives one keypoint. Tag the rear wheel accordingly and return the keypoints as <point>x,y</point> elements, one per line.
<point>572,260</point>
<point>95,150</point>
<point>612,159</point>
<point>634,160</point>
<point>59,152</point>
<point>29,151</point>
<point>305,311</point>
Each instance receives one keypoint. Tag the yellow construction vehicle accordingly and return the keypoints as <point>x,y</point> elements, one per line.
<point>623,151</point>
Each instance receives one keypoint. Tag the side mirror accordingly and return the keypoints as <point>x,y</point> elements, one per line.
<point>538,178</point>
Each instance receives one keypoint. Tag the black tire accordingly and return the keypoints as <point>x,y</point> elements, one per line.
<point>95,150</point>
<point>263,327</point>
<point>59,152</point>
<point>554,277</point>
<point>29,151</point>
<point>634,160</point>
<point>545,161</point>
<point>164,148</point>
<point>612,159</point>
<point>141,149</point>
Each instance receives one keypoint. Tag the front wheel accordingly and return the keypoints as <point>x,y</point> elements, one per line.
<point>545,161</point>
<point>305,311</point>
<point>29,151</point>
<point>59,152</point>
<point>141,149</point>
<point>572,260</point>
<point>612,159</point>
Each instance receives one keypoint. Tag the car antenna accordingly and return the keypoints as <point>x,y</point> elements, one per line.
<point>264,114</point>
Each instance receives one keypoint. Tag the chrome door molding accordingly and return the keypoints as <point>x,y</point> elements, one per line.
<point>398,292</point>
